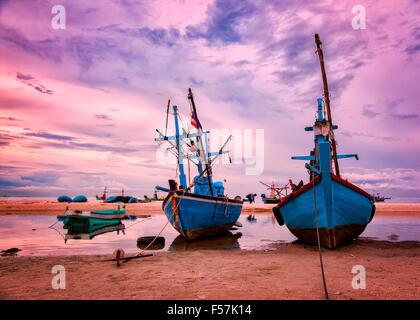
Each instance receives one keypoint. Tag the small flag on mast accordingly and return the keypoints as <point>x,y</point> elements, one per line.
<point>195,122</point>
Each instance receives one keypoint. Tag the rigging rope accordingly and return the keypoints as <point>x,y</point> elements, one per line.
<point>319,246</point>
<point>52,227</point>
<point>226,208</point>
<point>137,222</point>
<point>166,224</point>
<point>167,114</point>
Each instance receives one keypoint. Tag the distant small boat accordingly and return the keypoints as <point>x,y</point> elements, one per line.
<point>206,211</point>
<point>275,193</point>
<point>378,198</point>
<point>155,197</point>
<point>268,200</point>
<point>336,208</point>
<point>103,197</point>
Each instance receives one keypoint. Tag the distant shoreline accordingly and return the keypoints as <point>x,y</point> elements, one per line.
<point>55,208</point>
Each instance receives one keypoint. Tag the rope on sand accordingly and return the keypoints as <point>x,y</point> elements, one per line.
<point>319,246</point>
<point>163,228</point>
<point>137,223</point>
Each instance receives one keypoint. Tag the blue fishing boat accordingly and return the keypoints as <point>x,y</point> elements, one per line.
<point>328,209</point>
<point>204,210</point>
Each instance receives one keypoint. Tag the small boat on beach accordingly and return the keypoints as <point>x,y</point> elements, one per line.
<point>328,209</point>
<point>274,197</point>
<point>101,214</point>
<point>275,193</point>
<point>204,210</point>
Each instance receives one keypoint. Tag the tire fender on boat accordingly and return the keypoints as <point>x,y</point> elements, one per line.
<point>372,213</point>
<point>278,216</point>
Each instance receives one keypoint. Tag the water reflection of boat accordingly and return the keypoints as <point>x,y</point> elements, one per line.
<point>82,228</point>
<point>226,241</point>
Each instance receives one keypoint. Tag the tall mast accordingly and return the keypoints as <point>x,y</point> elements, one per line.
<point>202,150</point>
<point>182,177</point>
<point>327,101</point>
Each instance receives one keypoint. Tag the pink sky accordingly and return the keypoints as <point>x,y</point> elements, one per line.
<point>79,107</point>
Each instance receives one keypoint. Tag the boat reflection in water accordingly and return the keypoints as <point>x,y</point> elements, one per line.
<point>223,241</point>
<point>86,228</point>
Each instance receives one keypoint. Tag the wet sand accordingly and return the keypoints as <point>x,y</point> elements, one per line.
<point>286,271</point>
<point>290,271</point>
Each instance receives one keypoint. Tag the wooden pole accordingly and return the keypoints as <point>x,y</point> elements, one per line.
<point>327,100</point>
<point>189,172</point>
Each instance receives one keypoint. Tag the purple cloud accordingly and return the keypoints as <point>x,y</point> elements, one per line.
<point>47,135</point>
<point>223,17</point>
<point>32,82</point>
<point>103,117</point>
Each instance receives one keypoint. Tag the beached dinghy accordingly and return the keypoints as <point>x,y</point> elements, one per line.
<point>206,210</point>
<point>342,209</point>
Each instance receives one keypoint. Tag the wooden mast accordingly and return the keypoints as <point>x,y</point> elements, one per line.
<point>327,101</point>
<point>201,148</point>
<point>182,178</point>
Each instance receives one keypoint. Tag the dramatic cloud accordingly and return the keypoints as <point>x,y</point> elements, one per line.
<point>103,117</point>
<point>9,119</point>
<point>91,96</point>
<point>46,135</point>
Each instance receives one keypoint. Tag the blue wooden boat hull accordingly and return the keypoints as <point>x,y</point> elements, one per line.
<point>197,216</point>
<point>343,211</point>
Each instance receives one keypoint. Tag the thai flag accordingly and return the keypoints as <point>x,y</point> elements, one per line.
<point>195,122</point>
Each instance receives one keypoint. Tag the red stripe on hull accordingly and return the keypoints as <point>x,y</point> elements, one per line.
<point>317,179</point>
<point>301,190</point>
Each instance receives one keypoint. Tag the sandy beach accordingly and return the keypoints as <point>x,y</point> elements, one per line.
<point>283,271</point>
